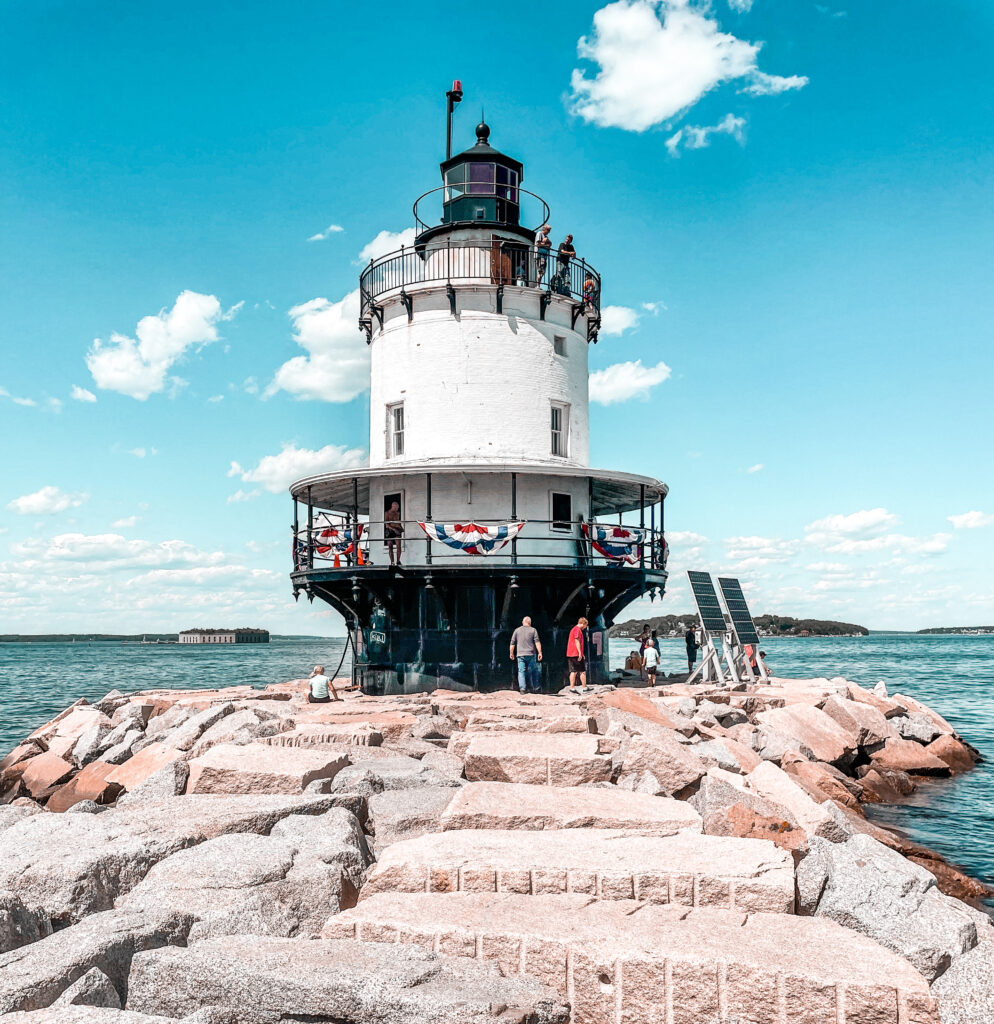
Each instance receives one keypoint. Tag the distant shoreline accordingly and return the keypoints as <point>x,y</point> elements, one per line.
<point>68,638</point>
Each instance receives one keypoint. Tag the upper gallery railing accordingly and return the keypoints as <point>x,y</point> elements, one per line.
<point>498,262</point>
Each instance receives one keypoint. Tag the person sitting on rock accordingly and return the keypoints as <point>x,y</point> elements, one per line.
<point>319,686</point>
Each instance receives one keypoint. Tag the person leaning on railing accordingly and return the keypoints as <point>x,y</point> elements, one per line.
<point>543,247</point>
<point>561,282</point>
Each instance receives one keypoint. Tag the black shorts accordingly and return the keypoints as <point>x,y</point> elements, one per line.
<point>577,664</point>
<point>311,699</point>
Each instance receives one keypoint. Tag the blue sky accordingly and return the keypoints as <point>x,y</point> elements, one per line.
<point>789,203</point>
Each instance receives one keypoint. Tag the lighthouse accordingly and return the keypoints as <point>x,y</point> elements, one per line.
<point>479,505</point>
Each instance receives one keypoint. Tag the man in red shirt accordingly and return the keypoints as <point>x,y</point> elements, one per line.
<point>575,651</point>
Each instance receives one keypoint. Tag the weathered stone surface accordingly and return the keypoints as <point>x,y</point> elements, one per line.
<point>20,925</point>
<point>623,961</point>
<point>916,726</point>
<point>93,989</point>
<point>387,723</point>
<point>35,976</point>
<point>358,732</point>
<point>908,756</point>
<point>913,706</point>
<point>43,771</point>
<point>240,725</point>
<point>175,715</point>
<point>388,773</point>
<point>94,1015</point>
<point>864,723</point>
<point>775,785</point>
<point>954,752</point>
<point>727,810</point>
<point>444,762</point>
<point>20,753</point>
<point>284,884</point>
<point>73,865</point>
<point>11,814</point>
<point>184,736</point>
<point>144,764</point>
<point>820,784</point>
<point>260,768</point>
<point>167,782</point>
<point>689,869</point>
<point>398,814</point>
<point>888,708</point>
<point>89,784</point>
<point>120,752</point>
<point>336,980</point>
<point>432,727</point>
<point>966,991</point>
<point>70,724</point>
<point>674,765</point>
<point>818,736</point>
<point>566,720</point>
<point>536,758</point>
<point>727,753</point>
<point>90,744</point>
<point>874,890</point>
<point>501,805</point>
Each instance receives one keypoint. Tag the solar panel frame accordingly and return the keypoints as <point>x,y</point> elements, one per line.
<point>738,610</point>
<point>708,605</point>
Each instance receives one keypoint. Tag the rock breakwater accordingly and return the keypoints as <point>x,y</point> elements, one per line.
<point>687,855</point>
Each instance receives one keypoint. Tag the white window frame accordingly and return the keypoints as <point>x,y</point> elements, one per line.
<point>391,433</point>
<point>560,525</point>
<point>562,433</point>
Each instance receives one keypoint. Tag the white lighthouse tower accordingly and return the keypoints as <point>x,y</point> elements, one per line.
<point>478,483</point>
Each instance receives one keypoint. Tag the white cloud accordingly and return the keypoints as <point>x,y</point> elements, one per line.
<point>48,501</point>
<point>214,399</point>
<point>140,453</point>
<point>867,530</point>
<point>656,59</point>
<point>699,137</point>
<point>241,495</point>
<point>742,6</point>
<point>771,85</point>
<point>623,381</point>
<point>971,520</point>
<point>685,537</point>
<point>200,576</point>
<point>53,404</point>
<point>275,473</point>
<point>756,468</point>
<point>251,386</point>
<point>28,402</point>
<point>81,394</point>
<point>654,307</point>
<point>618,319</point>
<point>386,242</point>
<point>866,521</point>
<point>105,551</point>
<point>139,366</point>
<point>124,524</point>
<point>331,229</point>
<point>336,367</point>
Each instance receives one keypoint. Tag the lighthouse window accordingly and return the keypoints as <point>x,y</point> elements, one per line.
<point>507,183</point>
<point>395,430</point>
<point>560,429</point>
<point>562,511</point>
<point>481,179</point>
<point>559,344</point>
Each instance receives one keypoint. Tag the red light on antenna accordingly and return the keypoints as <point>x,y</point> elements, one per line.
<point>456,86</point>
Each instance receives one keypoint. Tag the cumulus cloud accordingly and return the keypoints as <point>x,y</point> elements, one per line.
<point>124,524</point>
<point>699,137</point>
<point>81,394</point>
<point>275,473</point>
<point>869,530</point>
<point>331,229</point>
<point>771,85</point>
<point>755,469</point>
<point>241,495</point>
<point>655,59</point>
<point>971,520</point>
<point>336,367</point>
<point>29,403</point>
<point>618,319</point>
<point>741,6</point>
<point>210,575</point>
<point>386,242</point>
<point>866,521</point>
<point>45,502</point>
<point>623,381</point>
<point>139,366</point>
<point>106,551</point>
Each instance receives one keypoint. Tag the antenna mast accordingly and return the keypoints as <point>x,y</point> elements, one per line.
<point>452,97</point>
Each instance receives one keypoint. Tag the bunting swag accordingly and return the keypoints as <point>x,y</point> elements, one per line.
<point>471,537</point>
<point>616,543</point>
<point>335,541</point>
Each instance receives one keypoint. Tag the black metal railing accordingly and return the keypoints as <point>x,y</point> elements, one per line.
<point>499,262</point>
<point>340,542</point>
<point>510,199</point>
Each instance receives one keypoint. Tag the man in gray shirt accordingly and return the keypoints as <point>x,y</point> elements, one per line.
<point>527,649</point>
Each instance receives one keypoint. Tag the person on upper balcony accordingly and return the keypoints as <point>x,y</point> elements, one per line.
<point>561,282</point>
<point>543,247</point>
<point>590,293</point>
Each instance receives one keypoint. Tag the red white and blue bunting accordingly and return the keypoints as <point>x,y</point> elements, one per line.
<point>616,543</point>
<point>332,542</point>
<point>471,537</point>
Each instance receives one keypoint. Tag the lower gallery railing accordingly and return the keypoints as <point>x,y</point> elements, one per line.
<point>339,542</point>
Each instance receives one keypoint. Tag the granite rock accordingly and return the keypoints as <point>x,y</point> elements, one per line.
<point>390,773</point>
<point>261,768</point>
<point>398,814</point>
<point>20,925</point>
<point>966,990</point>
<point>168,781</point>
<point>93,989</point>
<point>916,726</point>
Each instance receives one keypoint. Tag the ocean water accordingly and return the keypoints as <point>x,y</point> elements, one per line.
<point>952,674</point>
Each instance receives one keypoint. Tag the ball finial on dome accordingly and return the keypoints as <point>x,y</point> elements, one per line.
<point>482,133</point>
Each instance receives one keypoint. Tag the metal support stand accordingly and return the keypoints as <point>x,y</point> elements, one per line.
<point>451,293</point>
<point>408,304</point>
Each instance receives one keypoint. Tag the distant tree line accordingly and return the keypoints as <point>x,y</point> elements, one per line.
<point>774,625</point>
<point>958,629</point>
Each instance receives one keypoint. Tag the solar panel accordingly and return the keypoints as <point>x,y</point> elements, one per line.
<point>707,601</point>
<point>738,610</point>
